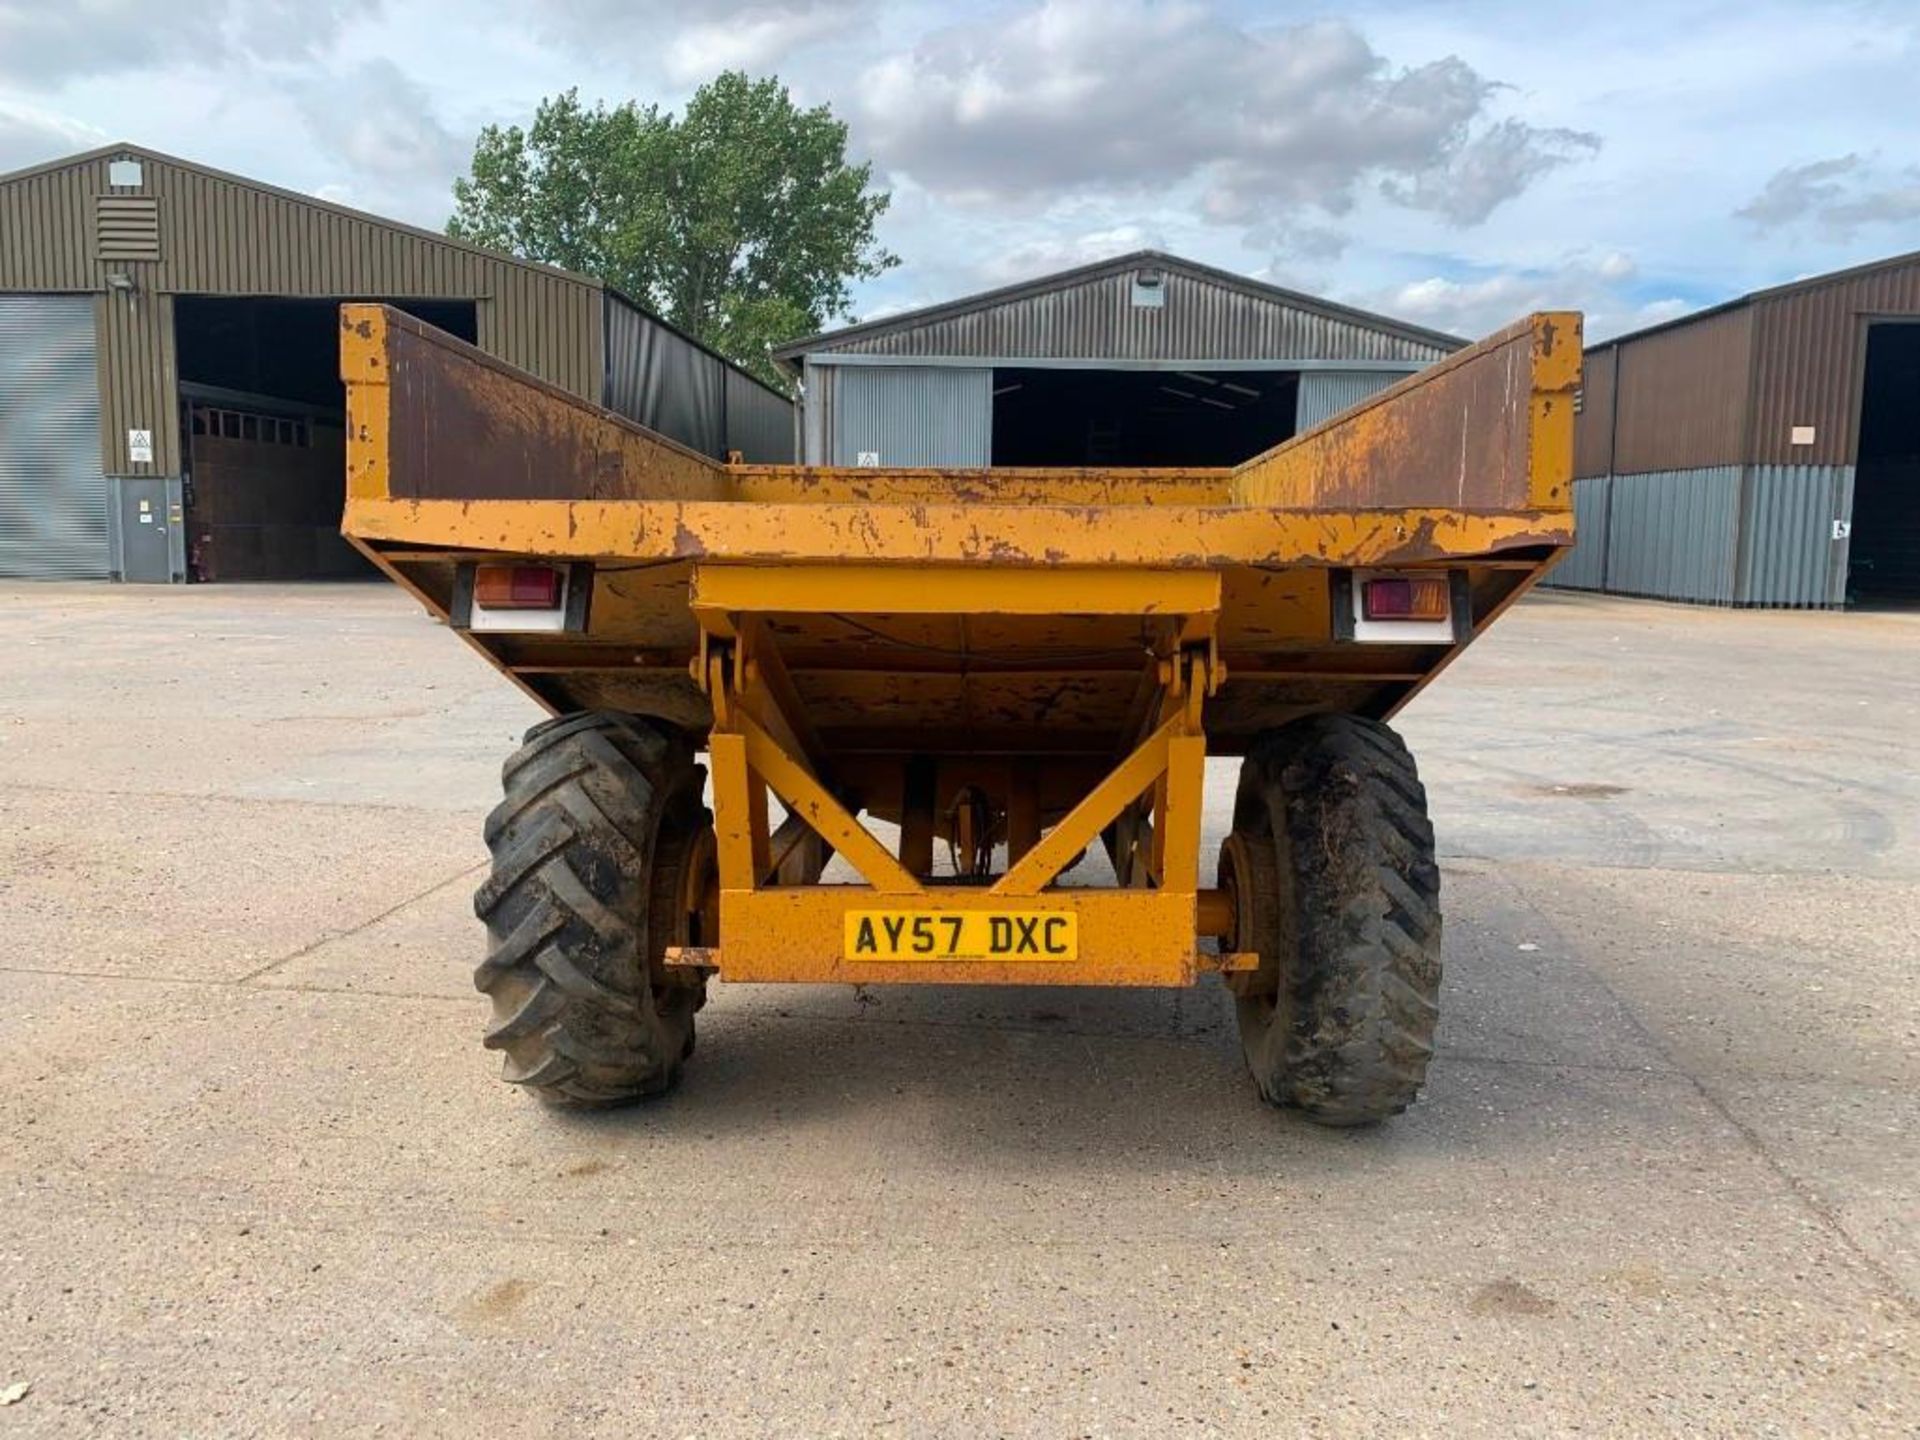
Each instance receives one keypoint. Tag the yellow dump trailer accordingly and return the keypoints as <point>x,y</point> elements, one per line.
<point>1002,669</point>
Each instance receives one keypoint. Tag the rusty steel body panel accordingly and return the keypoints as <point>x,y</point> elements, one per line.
<point>1031,658</point>
<point>455,456</point>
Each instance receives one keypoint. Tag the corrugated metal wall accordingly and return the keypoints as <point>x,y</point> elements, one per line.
<point>1809,353</point>
<point>759,422</point>
<point>1739,535</point>
<point>690,390</point>
<point>663,381</point>
<point>1721,395</point>
<point>139,381</point>
<point>1097,319</point>
<point>223,235</point>
<point>816,414</point>
<point>912,415</point>
<point>1673,535</point>
<point>1788,553</point>
<point>1593,426</point>
<point>53,496</point>
<point>1325,393</point>
<point>1682,396</point>
<point>1586,567</point>
<point>46,230</point>
<point>657,376</point>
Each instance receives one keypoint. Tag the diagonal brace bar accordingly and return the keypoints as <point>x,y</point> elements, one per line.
<point>814,803</point>
<point>1083,824</point>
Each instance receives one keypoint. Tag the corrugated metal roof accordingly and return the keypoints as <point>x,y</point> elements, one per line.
<point>208,232</point>
<point>78,258</point>
<point>1737,382</point>
<point>1208,313</point>
<point>107,152</point>
<point>1772,292</point>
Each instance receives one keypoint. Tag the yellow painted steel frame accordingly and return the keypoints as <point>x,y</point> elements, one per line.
<point>1143,935</point>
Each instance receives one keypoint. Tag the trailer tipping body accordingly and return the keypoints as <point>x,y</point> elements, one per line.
<point>1017,663</point>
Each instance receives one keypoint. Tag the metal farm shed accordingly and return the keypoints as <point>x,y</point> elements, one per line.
<point>1763,452</point>
<point>170,402</point>
<point>1146,359</point>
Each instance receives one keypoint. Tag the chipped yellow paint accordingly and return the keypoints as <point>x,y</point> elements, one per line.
<point>1557,359</point>
<point>363,366</point>
<point>1172,536</point>
<point>1488,428</point>
<point>710,579</point>
<point>797,935</point>
<point>802,589</point>
<point>846,485</point>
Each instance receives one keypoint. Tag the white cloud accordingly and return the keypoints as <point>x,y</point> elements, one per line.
<point>1840,195</point>
<point>697,42</point>
<point>29,135</point>
<point>46,42</point>
<point>1470,182</point>
<point>1796,190</point>
<point>1046,254</point>
<point>381,124</point>
<point>756,39</point>
<point>1205,127</point>
<point>384,144</point>
<point>1482,304</point>
<point>1127,96</point>
<point>1615,266</point>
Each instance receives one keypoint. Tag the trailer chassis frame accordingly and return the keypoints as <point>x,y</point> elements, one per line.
<point>779,921</point>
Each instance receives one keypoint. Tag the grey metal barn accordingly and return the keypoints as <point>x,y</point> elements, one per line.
<point>170,404</point>
<point>1145,359</point>
<point>1763,452</point>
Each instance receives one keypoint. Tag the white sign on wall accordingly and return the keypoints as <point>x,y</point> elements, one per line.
<point>869,459</point>
<point>140,446</point>
<point>1802,435</point>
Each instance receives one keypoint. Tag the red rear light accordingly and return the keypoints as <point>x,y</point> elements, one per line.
<point>1422,597</point>
<point>518,587</point>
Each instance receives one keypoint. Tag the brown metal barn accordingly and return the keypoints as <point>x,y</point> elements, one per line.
<point>170,404</point>
<point>1763,452</point>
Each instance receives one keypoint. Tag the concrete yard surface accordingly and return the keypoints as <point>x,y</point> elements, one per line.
<point>260,1178</point>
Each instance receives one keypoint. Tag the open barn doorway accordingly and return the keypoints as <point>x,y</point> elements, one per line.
<point>1139,417</point>
<point>263,431</point>
<point>1883,556</point>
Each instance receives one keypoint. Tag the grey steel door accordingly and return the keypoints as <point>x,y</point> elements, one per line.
<point>152,531</point>
<point>53,498</point>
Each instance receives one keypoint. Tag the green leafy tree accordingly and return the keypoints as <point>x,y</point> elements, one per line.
<point>740,220</point>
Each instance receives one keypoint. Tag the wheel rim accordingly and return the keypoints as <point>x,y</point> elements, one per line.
<point>698,911</point>
<point>684,911</point>
<point>1254,920</point>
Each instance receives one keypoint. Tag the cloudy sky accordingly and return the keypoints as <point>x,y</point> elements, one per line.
<point>1452,164</point>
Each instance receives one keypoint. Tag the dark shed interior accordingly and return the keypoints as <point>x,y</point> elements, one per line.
<point>1139,417</point>
<point>1884,554</point>
<point>263,420</point>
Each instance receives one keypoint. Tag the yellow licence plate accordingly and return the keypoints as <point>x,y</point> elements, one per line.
<point>909,935</point>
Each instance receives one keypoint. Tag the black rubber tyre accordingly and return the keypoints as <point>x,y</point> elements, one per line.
<point>602,814</point>
<point>1335,885</point>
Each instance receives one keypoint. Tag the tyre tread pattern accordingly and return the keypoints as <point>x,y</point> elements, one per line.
<point>566,910</point>
<point>1357,853</point>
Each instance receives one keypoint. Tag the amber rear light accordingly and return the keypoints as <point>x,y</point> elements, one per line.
<point>1405,598</point>
<point>518,587</point>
